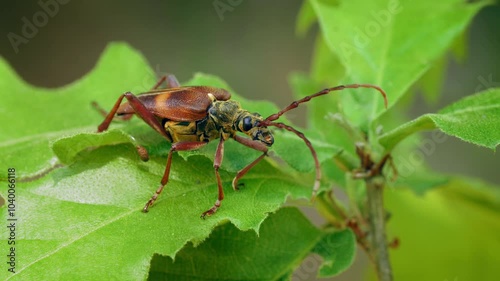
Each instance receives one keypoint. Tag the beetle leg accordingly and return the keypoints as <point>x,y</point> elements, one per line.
<point>252,144</point>
<point>179,146</point>
<point>142,112</point>
<point>104,113</point>
<point>109,116</point>
<point>308,144</point>
<point>139,109</point>
<point>171,82</point>
<point>219,155</point>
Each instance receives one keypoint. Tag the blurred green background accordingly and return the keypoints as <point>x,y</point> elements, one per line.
<point>252,46</point>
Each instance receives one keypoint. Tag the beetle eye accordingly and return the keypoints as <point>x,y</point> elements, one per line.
<point>247,124</point>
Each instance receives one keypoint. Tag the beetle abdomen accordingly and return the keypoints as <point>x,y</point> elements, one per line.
<point>181,131</point>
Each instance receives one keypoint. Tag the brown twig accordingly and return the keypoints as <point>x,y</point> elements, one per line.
<point>376,218</point>
<point>371,172</point>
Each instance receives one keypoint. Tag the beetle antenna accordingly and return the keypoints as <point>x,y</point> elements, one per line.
<point>266,123</point>
<point>295,104</point>
<point>269,121</point>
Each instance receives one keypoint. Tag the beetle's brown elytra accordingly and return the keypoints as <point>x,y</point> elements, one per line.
<point>190,117</point>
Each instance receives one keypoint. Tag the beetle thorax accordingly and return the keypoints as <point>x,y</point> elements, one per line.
<point>224,114</point>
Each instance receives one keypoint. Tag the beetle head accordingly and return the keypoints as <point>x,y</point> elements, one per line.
<point>249,123</point>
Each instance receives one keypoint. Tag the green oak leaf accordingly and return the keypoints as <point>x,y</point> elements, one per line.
<point>326,66</point>
<point>86,217</point>
<point>385,43</point>
<point>474,119</point>
<point>284,239</point>
<point>64,111</point>
<point>338,249</point>
<point>305,19</point>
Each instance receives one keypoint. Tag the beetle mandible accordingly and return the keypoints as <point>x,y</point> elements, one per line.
<point>190,117</point>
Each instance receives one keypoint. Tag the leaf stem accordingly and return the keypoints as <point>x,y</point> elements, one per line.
<point>376,217</point>
<point>325,207</point>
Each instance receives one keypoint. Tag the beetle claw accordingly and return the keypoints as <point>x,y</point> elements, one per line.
<point>208,213</point>
<point>212,210</point>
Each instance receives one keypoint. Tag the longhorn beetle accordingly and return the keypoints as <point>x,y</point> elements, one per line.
<point>190,117</point>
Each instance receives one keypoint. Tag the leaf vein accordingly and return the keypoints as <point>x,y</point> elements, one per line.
<point>64,245</point>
